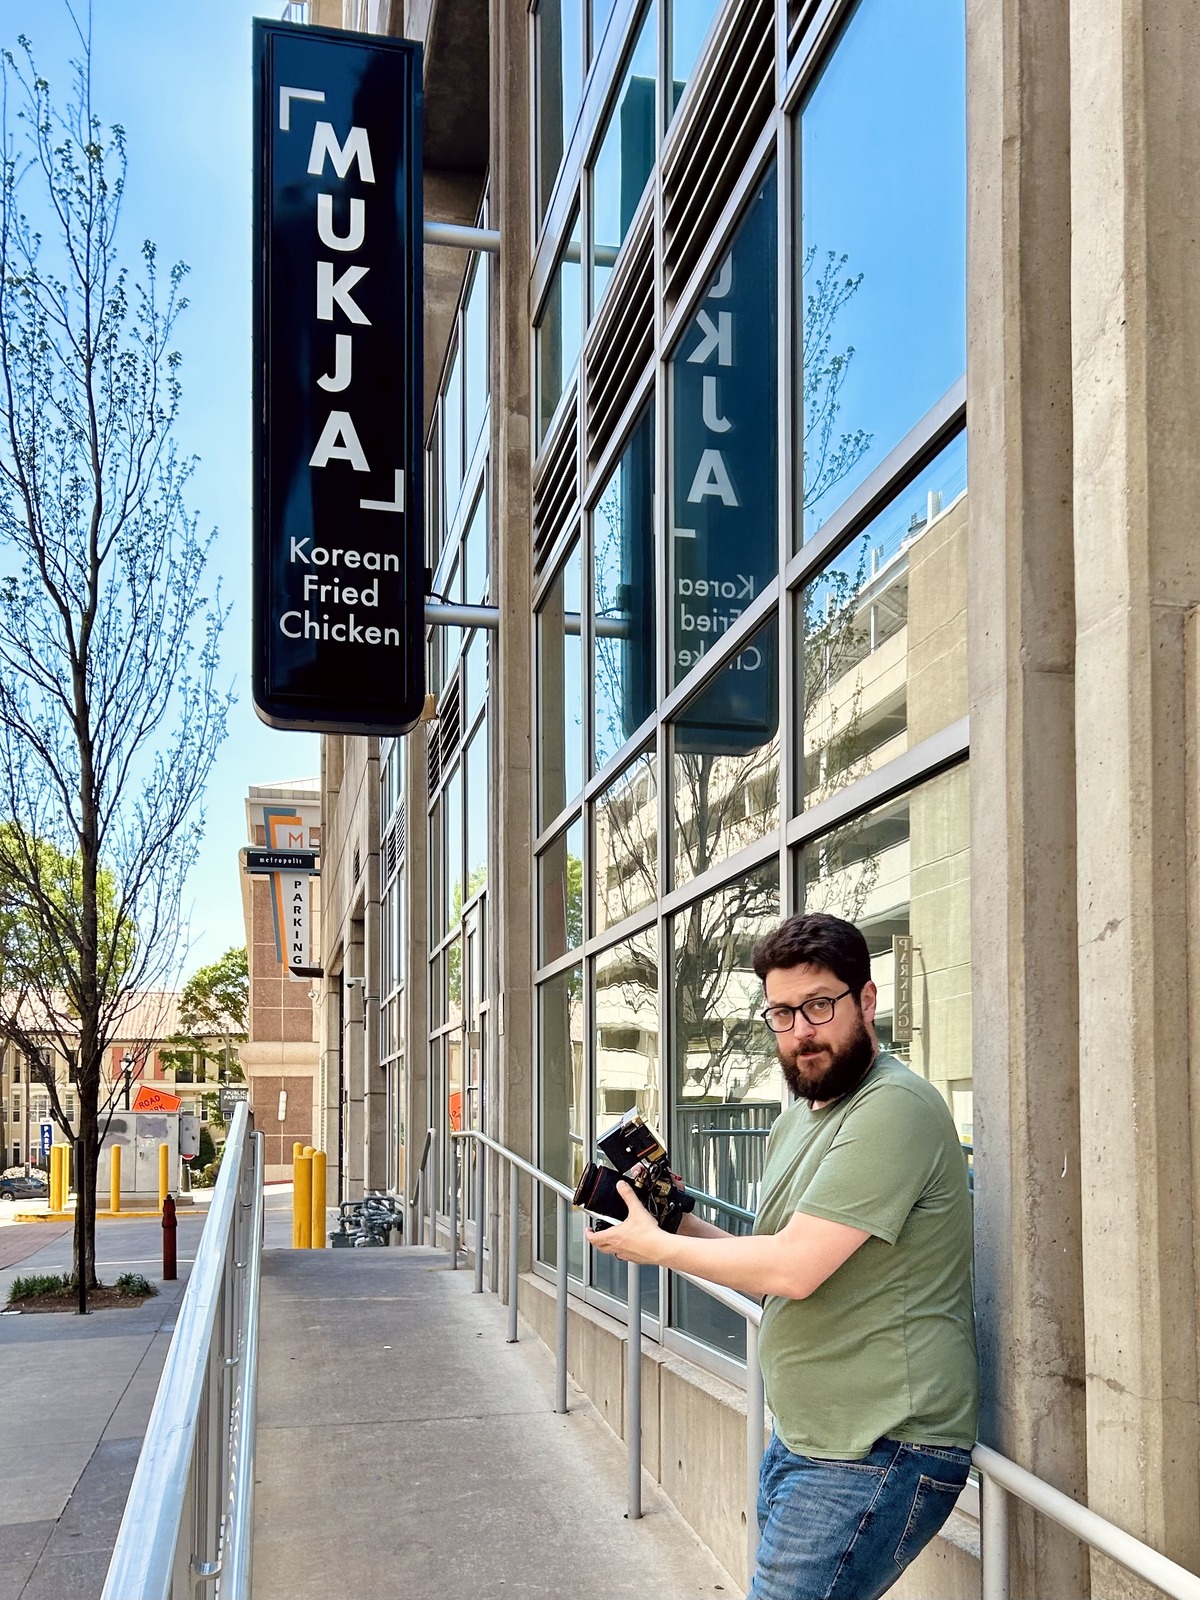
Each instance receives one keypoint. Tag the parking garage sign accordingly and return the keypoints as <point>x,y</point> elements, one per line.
<point>338,527</point>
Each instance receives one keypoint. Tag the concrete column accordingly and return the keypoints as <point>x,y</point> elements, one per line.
<point>354,1064</point>
<point>1029,1290</point>
<point>508,1095</point>
<point>1135,161</point>
<point>375,1129</point>
<point>416,988</point>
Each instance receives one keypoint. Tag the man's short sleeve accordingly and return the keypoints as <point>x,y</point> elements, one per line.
<point>878,1164</point>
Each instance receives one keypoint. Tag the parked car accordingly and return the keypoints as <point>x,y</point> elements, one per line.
<point>18,1185</point>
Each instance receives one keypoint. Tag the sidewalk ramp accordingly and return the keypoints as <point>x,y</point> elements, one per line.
<point>406,1452</point>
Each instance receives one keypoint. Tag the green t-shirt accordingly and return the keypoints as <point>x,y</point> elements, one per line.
<point>886,1346</point>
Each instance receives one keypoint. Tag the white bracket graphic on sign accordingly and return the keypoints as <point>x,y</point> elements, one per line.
<point>388,505</point>
<point>286,96</point>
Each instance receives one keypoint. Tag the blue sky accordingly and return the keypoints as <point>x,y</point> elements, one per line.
<point>177,75</point>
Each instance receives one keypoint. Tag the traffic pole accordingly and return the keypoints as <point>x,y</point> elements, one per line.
<point>114,1182</point>
<point>318,1200</point>
<point>169,1227</point>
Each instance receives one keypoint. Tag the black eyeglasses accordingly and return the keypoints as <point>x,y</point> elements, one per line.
<point>781,1019</point>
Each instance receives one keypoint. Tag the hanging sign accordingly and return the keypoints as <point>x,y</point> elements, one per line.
<point>338,524</point>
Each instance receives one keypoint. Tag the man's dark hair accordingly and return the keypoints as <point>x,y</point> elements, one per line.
<point>815,939</point>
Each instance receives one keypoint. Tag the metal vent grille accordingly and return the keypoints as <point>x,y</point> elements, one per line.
<point>716,131</point>
<point>621,344</point>
<point>556,487</point>
<point>400,831</point>
<point>801,13</point>
<point>444,735</point>
<point>357,864</point>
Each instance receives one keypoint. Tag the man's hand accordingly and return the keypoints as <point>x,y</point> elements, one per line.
<point>639,1238</point>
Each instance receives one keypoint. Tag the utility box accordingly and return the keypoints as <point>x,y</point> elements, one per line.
<point>139,1135</point>
<point>189,1135</point>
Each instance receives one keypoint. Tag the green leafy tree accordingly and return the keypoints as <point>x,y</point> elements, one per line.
<point>213,1012</point>
<point>110,710</point>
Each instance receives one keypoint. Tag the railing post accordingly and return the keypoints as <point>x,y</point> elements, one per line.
<point>453,1153</point>
<point>755,1405</point>
<point>480,1210</point>
<point>432,1187</point>
<point>560,1308</point>
<point>514,1245</point>
<point>419,1220</point>
<point>993,1530</point>
<point>633,1389</point>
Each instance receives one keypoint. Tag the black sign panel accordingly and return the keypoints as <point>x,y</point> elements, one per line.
<point>281,860</point>
<point>338,527</point>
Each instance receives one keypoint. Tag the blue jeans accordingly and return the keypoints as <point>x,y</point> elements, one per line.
<point>846,1530</point>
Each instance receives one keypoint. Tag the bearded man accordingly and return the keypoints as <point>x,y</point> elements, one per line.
<point>861,1253</point>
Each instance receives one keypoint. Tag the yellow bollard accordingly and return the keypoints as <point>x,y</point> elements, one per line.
<point>55,1204</point>
<point>114,1182</point>
<point>164,1167</point>
<point>318,1200</point>
<point>60,1151</point>
<point>302,1189</point>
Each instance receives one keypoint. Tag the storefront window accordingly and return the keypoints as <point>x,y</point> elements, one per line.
<point>885,632</point>
<point>477,810</point>
<point>560,1008</point>
<point>881,297</point>
<point>452,439</point>
<point>726,760</point>
<point>560,729</point>
<point>558,331</point>
<point>727,1085</point>
<point>625,843</point>
<point>627,1075</point>
<point>622,595</point>
<point>723,532</point>
<point>626,156</point>
<point>901,873</point>
<point>559,84</point>
<point>560,894</point>
<point>476,341</point>
<point>453,849</point>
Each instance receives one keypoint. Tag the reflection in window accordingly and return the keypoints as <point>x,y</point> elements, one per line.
<point>452,846</point>
<point>452,439</point>
<point>560,730</point>
<point>558,331</point>
<point>475,559</point>
<point>726,760</point>
<point>627,1077</point>
<point>728,1088</point>
<point>601,11</point>
<point>625,843</point>
<point>560,1006</point>
<point>560,878</point>
<point>475,335</point>
<point>476,765</point>
<point>452,967</point>
<point>901,873</point>
<point>559,83</point>
<point>623,597</point>
<point>885,632</point>
<point>625,158</point>
<point>690,22</point>
<point>723,537</point>
<point>883,259</point>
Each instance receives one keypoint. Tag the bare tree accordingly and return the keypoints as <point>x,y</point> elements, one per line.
<point>110,712</point>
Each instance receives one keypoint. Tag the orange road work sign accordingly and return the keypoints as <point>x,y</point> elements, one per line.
<point>148,1099</point>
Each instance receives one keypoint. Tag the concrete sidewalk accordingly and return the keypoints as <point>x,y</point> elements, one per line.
<point>405,1449</point>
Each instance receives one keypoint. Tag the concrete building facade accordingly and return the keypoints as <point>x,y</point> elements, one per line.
<point>824,433</point>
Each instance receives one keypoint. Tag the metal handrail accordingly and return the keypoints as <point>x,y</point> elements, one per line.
<point>194,1477</point>
<point>999,1477</point>
<point>415,1224</point>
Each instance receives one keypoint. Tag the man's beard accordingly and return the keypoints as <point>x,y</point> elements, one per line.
<point>842,1073</point>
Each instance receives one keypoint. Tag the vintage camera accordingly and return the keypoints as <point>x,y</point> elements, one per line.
<point>639,1156</point>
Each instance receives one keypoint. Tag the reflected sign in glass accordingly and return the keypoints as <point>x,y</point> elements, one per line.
<point>724,494</point>
<point>338,559</point>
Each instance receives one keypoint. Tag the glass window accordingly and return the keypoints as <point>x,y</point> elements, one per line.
<point>560,729</point>
<point>476,338</point>
<point>475,673</point>
<point>727,1085</point>
<point>601,11</point>
<point>560,874</point>
<point>477,810</point>
<point>625,843</point>
<point>452,438</point>
<point>475,558</point>
<point>558,331</point>
<point>882,295</point>
<point>690,22</point>
<point>726,760</point>
<point>724,408</point>
<point>885,632</point>
<point>453,848</point>
<point>626,156</point>
<point>622,595</point>
<point>902,873</point>
<point>559,84</point>
<point>560,1006</point>
<point>627,1074</point>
